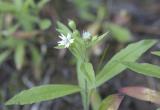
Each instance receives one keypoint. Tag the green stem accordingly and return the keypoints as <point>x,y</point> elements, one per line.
<point>84,87</point>
<point>86,106</point>
<point>95,99</point>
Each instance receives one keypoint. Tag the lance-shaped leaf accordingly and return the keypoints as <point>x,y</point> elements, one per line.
<point>156,53</point>
<point>61,28</point>
<point>19,55</point>
<point>144,68</point>
<point>131,53</point>
<point>95,99</point>
<point>36,56</point>
<point>88,73</point>
<point>96,39</point>
<point>42,93</point>
<point>3,56</point>
<point>142,93</point>
<point>112,102</point>
<point>119,33</point>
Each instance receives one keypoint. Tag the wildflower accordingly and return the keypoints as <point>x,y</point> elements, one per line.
<point>86,35</point>
<point>66,40</point>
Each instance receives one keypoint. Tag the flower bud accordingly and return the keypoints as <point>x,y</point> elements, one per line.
<point>72,24</point>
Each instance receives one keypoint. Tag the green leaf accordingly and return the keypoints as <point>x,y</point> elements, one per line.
<point>83,85</point>
<point>62,28</point>
<point>10,30</point>
<point>101,13</point>
<point>119,33</point>
<point>142,93</point>
<point>28,5</point>
<point>4,55</point>
<point>95,99</point>
<point>7,7</point>
<point>112,102</point>
<point>131,53</point>
<point>10,42</point>
<point>36,56</point>
<point>42,93</point>
<point>19,56</point>
<point>96,39</point>
<point>144,68</point>
<point>156,53</point>
<point>88,73</point>
<point>18,4</point>
<point>26,20</point>
<point>59,47</point>
<point>84,7</point>
<point>45,24</point>
<point>42,3</point>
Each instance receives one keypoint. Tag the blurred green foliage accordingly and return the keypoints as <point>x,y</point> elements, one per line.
<point>84,8</point>
<point>19,24</point>
<point>99,16</point>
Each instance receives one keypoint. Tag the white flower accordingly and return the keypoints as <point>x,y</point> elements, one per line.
<point>66,40</point>
<point>86,35</point>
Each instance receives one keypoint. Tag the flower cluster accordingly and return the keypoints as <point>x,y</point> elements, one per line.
<point>66,41</point>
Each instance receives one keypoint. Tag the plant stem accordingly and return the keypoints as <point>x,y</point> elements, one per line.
<point>95,99</point>
<point>84,87</point>
<point>86,97</point>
